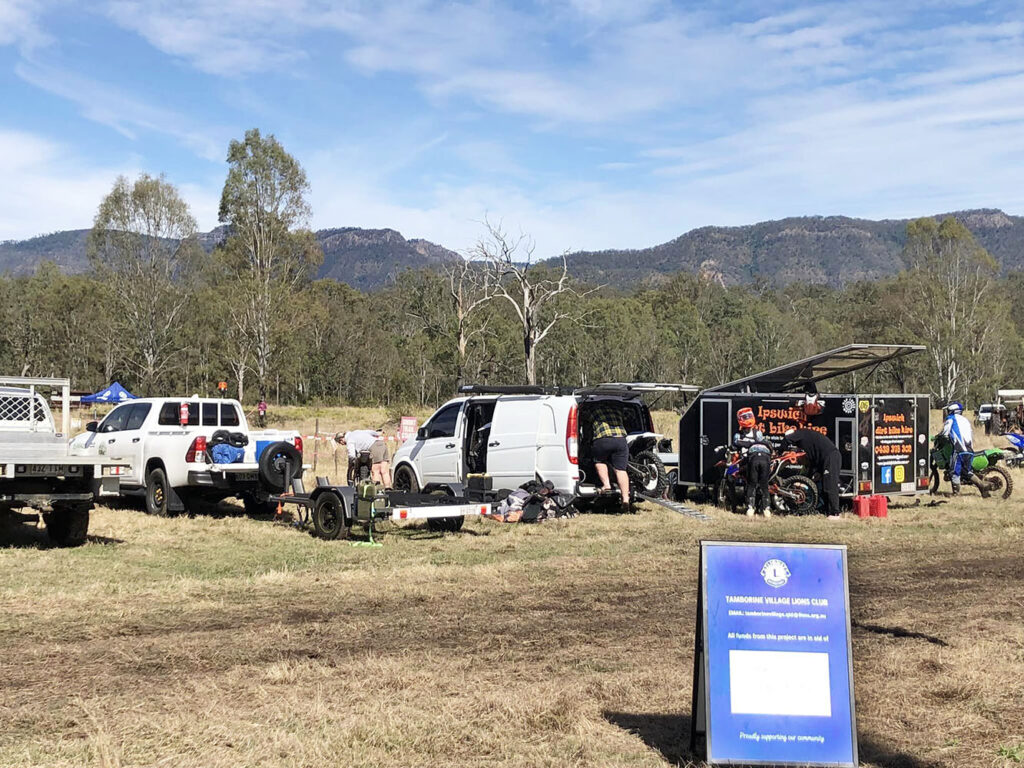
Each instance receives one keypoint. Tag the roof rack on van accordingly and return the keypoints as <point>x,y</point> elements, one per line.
<point>502,389</point>
<point>635,388</point>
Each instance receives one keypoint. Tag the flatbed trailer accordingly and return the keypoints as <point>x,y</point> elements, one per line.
<point>334,509</point>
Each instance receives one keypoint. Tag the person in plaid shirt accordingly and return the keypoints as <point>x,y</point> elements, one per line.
<point>609,448</point>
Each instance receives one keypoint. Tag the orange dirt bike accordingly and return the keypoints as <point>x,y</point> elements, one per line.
<point>789,490</point>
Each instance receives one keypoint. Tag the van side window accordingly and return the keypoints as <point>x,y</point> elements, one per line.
<point>209,414</point>
<point>228,415</point>
<point>137,416</point>
<point>444,421</point>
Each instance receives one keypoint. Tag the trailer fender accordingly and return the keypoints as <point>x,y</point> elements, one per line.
<point>346,493</point>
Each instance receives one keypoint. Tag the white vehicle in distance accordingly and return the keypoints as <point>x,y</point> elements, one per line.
<point>166,442</point>
<point>519,434</point>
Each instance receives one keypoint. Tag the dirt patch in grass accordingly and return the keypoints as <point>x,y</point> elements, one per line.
<point>229,641</point>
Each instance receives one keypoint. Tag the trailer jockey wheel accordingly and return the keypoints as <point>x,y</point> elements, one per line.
<point>279,465</point>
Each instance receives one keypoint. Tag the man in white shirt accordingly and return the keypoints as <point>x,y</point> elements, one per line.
<point>958,430</point>
<point>367,445</point>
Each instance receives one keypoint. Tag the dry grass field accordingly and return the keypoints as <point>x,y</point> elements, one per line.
<point>227,641</point>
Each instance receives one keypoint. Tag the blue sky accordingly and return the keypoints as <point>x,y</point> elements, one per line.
<point>585,123</point>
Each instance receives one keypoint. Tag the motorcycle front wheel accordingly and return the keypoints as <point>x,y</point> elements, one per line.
<point>933,483</point>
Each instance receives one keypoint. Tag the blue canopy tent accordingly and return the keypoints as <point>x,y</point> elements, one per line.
<point>115,393</point>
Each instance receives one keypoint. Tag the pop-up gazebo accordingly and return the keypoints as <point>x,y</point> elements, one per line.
<point>115,393</point>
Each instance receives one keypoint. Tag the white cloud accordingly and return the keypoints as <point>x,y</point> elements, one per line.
<point>108,105</point>
<point>46,188</point>
<point>19,23</point>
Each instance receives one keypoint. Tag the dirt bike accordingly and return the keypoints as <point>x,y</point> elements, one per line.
<point>1015,457</point>
<point>646,472</point>
<point>360,471</point>
<point>789,490</point>
<point>989,478</point>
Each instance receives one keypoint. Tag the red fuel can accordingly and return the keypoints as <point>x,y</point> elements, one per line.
<point>879,506</point>
<point>862,506</point>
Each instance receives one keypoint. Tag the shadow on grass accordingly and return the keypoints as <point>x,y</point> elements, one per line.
<point>899,632</point>
<point>670,736</point>
<point>27,536</point>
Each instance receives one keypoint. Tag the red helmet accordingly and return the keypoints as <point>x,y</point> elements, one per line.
<point>745,417</point>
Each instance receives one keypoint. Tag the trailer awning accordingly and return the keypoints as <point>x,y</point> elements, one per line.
<point>1012,395</point>
<point>802,374</point>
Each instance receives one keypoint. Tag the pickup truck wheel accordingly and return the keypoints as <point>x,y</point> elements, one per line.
<point>256,508</point>
<point>329,517</point>
<point>68,524</point>
<point>405,480</point>
<point>157,492</point>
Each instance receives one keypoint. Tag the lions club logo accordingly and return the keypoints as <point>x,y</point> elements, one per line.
<point>775,573</point>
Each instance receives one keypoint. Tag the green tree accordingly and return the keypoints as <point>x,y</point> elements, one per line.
<point>947,302</point>
<point>270,252</point>
<point>144,251</point>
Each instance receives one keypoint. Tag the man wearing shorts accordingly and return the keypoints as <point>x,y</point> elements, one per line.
<point>609,449</point>
<point>369,441</point>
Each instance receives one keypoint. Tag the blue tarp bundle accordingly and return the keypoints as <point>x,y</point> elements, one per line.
<point>115,393</point>
<point>226,454</point>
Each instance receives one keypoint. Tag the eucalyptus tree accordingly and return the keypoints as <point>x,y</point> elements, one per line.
<point>144,251</point>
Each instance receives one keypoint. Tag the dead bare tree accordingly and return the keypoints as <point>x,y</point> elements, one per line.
<point>464,287</point>
<point>530,288</point>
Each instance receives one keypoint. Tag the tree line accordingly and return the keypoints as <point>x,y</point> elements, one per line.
<point>164,317</point>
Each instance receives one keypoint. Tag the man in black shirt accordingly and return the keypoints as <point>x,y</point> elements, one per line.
<point>824,458</point>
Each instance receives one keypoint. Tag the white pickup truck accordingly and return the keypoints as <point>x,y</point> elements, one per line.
<point>166,441</point>
<point>38,471</point>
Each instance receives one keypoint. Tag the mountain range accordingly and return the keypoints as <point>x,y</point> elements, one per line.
<point>832,250</point>
<point>363,258</point>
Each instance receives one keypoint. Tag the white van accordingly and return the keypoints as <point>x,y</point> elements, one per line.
<point>518,434</point>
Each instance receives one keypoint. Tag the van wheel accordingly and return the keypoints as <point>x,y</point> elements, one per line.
<point>405,480</point>
<point>157,492</point>
<point>329,517</point>
<point>68,524</point>
<point>445,524</point>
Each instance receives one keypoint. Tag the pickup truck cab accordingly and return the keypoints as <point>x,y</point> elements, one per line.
<point>169,461</point>
<point>519,434</point>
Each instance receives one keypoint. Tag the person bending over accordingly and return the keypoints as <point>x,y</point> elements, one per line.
<point>609,449</point>
<point>824,458</point>
<point>367,441</point>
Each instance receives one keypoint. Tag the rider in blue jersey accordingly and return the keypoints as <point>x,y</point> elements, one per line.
<point>958,430</point>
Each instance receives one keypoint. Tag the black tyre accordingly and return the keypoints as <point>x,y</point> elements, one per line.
<point>647,473</point>
<point>727,494</point>
<point>67,525</point>
<point>329,517</point>
<point>802,495</point>
<point>279,462</point>
<point>255,507</point>
<point>445,524</point>
<point>933,482</point>
<point>405,480</point>
<point>1000,483</point>
<point>157,492</point>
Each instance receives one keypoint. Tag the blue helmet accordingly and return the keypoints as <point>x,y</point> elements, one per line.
<point>955,407</point>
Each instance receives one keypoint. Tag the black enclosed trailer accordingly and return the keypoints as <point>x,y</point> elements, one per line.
<point>883,438</point>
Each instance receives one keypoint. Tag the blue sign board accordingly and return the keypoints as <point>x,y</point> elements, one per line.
<point>773,672</point>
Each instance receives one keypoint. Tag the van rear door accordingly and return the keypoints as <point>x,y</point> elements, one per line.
<point>512,449</point>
